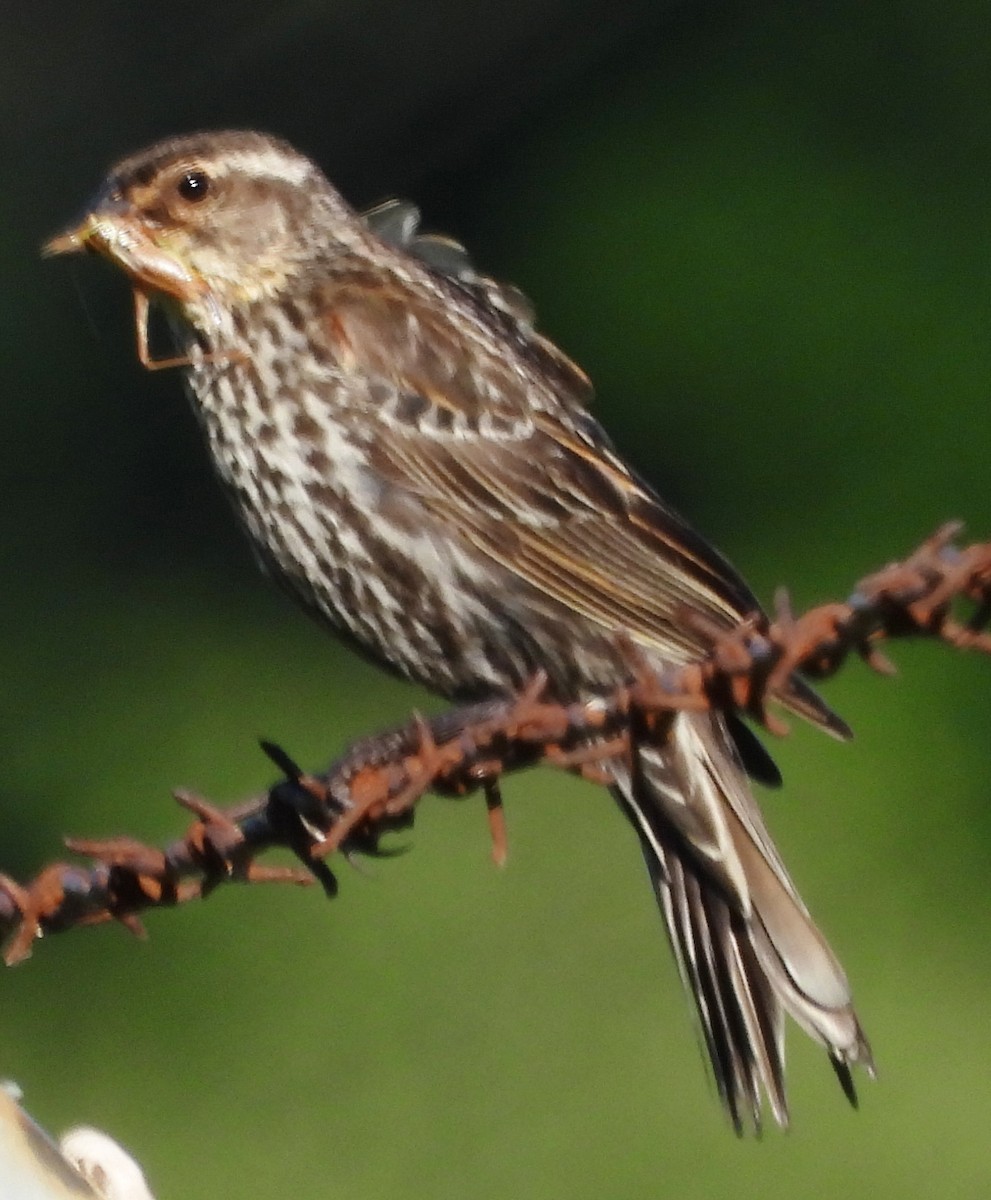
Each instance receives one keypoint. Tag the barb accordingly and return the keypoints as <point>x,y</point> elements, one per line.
<point>374,787</point>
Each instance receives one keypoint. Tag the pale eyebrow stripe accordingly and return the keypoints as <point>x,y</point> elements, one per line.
<point>271,163</point>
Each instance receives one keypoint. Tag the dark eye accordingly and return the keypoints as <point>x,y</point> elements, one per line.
<point>193,186</point>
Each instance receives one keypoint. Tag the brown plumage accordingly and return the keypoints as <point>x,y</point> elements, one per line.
<point>416,465</point>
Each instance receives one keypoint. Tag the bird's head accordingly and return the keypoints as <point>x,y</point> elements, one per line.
<point>211,219</point>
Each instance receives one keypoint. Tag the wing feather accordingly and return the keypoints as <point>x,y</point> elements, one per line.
<point>480,428</point>
<point>469,425</point>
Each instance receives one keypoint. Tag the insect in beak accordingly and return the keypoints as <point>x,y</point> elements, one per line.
<point>115,231</point>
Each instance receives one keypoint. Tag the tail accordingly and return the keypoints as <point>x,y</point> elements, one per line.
<point>746,947</point>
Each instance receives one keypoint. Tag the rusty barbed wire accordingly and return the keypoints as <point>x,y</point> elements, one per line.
<point>375,785</point>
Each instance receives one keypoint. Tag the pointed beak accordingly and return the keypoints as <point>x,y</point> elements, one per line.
<point>109,211</point>
<point>115,230</point>
<point>70,241</point>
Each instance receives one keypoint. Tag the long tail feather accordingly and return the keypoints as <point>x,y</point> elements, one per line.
<point>746,947</point>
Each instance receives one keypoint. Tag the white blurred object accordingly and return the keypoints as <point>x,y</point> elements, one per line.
<point>89,1166</point>
<point>104,1164</point>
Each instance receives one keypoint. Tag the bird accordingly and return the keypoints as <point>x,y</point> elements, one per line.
<point>419,468</point>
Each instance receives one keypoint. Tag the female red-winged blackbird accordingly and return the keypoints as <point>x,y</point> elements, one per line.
<point>416,465</point>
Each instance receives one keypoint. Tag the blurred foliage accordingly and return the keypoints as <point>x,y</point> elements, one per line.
<point>763,230</point>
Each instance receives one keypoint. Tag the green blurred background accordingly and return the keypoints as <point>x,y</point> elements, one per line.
<point>763,230</point>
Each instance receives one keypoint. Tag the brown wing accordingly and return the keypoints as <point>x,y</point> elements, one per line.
<point>483,422</point>
<point>476,422</point>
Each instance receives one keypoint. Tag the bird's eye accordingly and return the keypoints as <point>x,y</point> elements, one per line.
<point>193,186</point>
